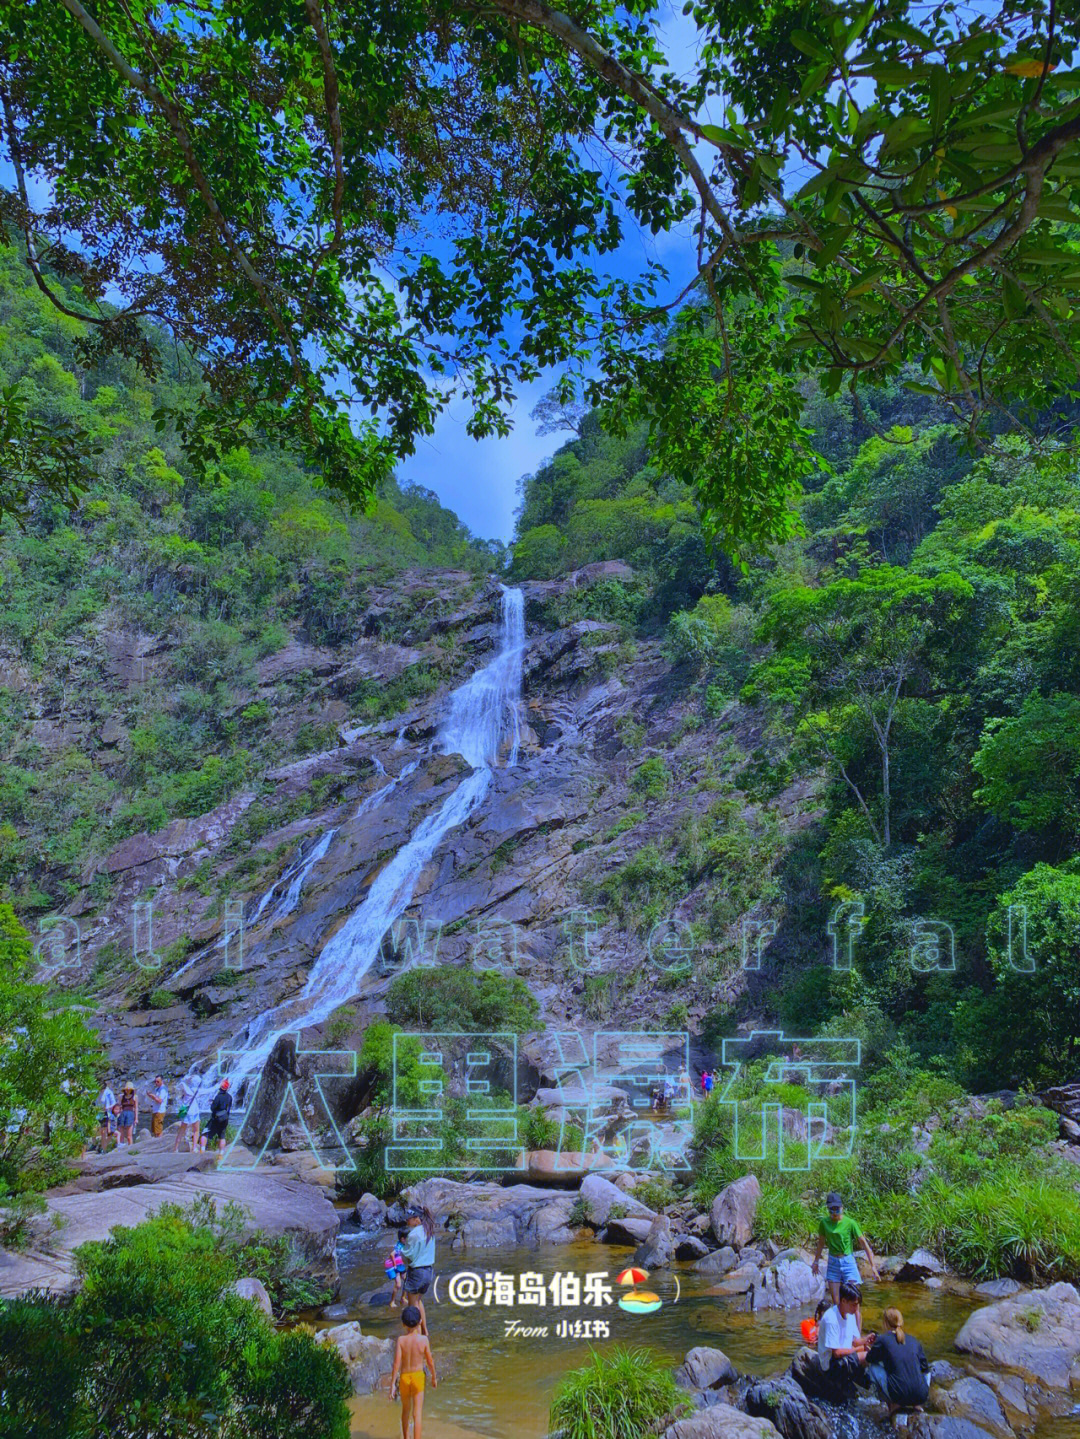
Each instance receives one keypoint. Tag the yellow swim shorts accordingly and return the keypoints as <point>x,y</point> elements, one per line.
<point>411,1384</point>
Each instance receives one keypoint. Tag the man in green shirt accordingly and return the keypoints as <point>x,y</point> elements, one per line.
<point>841,1233</point>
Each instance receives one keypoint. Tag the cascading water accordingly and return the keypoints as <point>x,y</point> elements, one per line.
<point>482,720</point>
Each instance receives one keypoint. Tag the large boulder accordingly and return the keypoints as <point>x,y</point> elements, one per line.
<point>602,1197</point>
<point>656,1249</point>
<point>720,1421</point>
<point>705,1368</point>
<point>789,1284</point>
<point>486,1215</point>
<point>733,1211</point>
<point>783,1403</point>
<point>370,1213</point>
<point>1037,1334</point>
<point>275,1206</point>
<point>970,1398</point>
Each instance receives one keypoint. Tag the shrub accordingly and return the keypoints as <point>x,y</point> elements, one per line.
<point>447,998</point>
<point>652,778</point>
<point>614,1396</point>
<point>154,1344</point>
<point>161,999</point>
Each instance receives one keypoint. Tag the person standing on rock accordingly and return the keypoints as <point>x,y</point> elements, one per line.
<point>419,1251</point>
<point>897,1364</point>
<point>188,1112</point>
<point>841,1233</point>
<point>129,1114</point>
<point>157,1096</point>
<point>106,1105</point>
<point>220,1106</point>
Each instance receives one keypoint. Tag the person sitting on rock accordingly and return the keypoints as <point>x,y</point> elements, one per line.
<point>841,1349</point>
<point>898,1367</point>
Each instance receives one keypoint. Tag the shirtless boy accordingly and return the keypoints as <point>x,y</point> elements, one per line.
<point>413,1352</point>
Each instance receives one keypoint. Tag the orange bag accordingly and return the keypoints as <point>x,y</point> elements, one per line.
<point>809,1331</point>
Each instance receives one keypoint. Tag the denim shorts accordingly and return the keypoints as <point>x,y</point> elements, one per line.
<point>127,1118</point>
<point>418,1280</point>
<point>842,1268</point>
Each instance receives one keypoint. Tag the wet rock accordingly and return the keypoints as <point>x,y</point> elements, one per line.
<point>689,1246</point>
<point>720,1421</point>
<point>997,1288</point>
<point>720,1261</point>
<point>789,1284</point>
<point>1037,1334</point>
<point>486,1215</point>
<point>370,1213</point>
<point>943,1426</point>
<point>705,1368</point>
<point>547,1166</point>
<point>255,1290</point>
<point>733,1211</point>
<point>633,1230</point>
<point>783,1403</point>
<point>919,1265</point>
<point>970,1398</point>
<point>334,1311</point>
<point>657,1249</point>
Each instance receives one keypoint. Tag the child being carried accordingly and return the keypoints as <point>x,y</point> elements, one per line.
<point>395,1266</point>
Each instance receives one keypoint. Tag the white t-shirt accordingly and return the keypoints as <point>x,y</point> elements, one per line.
<point>836,1331</point>
<point>106,1099</point>
<point>189,1094</point>
<point>163,1090</point>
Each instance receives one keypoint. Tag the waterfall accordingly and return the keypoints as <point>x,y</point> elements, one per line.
<point>482,719</point>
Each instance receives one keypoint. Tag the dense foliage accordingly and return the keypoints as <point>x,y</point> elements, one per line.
<point>928,1166</point>
<point>49,1063</point>
<point>616,1394</point>
<point>347,213</point>
<point>918,649</point>
<point>155,1344</point>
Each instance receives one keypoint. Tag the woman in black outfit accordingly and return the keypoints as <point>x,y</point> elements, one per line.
<point>898,1365</point>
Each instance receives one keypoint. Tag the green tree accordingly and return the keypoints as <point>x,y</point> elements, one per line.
<point>154,1343</point>
<point>49,1063</point>
<point>258,182</point>
<point>1030,765</point>
<point>847,657</point>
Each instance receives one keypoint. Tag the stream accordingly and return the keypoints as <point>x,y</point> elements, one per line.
<point>499,1386</point>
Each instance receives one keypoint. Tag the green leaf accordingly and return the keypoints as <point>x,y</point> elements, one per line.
<point>811,46</point>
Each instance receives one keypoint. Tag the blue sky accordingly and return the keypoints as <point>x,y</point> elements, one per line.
<point>478,479</point>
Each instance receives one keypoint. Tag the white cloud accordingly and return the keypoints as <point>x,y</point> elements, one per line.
<point>477,479</point>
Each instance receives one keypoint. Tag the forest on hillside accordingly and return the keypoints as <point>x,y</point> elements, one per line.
<point>916,644</point>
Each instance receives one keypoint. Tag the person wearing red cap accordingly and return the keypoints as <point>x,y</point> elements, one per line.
<point>220,1106</point>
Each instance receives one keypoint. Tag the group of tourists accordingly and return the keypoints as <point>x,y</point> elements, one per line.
<point>894,1362</point>
<point>411,1265</point>
<point>118,1117</point>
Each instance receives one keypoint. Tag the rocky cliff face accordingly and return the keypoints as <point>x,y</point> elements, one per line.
<point>610,866</point>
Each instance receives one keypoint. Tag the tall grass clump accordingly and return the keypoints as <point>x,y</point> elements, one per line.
<point>615,1397</point>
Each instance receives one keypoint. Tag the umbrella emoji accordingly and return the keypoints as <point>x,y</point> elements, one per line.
<point>638,1301</point>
